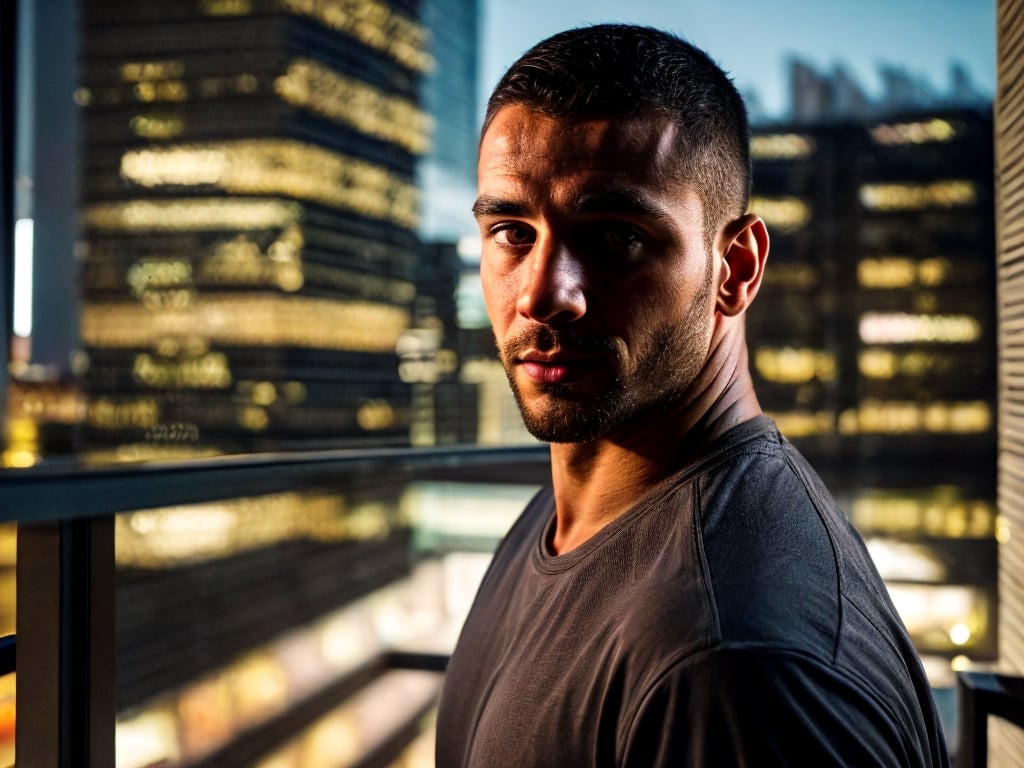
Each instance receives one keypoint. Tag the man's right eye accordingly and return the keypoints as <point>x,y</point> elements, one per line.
<point>512,234</point>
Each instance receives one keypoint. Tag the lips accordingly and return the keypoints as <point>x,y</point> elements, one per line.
<point>556,368</point>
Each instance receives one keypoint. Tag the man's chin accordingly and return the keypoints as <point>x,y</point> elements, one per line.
<point>563,429</point>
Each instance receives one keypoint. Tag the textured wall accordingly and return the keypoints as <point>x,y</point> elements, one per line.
<point>1006,743</point>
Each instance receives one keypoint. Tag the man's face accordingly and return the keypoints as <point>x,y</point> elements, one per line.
<point>595,273</point>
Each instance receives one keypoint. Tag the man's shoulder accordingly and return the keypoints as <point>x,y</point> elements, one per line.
<point>754,467</point>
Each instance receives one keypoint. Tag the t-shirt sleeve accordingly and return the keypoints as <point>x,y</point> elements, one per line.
<point>742,707</point>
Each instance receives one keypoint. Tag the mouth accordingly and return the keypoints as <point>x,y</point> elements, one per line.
<point>558,367</point>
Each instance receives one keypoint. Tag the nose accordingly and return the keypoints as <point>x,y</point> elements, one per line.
<point>551,289</point>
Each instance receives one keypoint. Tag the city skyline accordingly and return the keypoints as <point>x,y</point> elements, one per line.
<point>755,41</point>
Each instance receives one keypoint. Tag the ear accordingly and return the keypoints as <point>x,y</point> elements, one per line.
<point>743,244</point>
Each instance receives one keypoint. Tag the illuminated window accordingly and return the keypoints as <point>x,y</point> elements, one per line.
<point>935,130</point>
<point>881,363</point>
<point>140,71</point>
<point>786,214</point>
<point>156,126</point>
<point>192,722</point>
<point>781,146</point>
<point>905,328</point>
<point>277,166</point>
<point>939,512</point>
<point>942,617</point>
<point>371,22</point>
<point>250,320</point>
<point>907,417</point>
<point>801,423</point>
<point>886,273</point>
<point>908,196</point>
<point>194,214</point>
<point>309,84</point>
<point>788,365</point>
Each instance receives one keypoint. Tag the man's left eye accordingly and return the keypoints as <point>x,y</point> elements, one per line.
<point>622,240</point>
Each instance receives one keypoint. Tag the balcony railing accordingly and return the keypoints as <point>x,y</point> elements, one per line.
<point>66,634</point>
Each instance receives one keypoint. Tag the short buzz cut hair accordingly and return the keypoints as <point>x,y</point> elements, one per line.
<point>624,70</point>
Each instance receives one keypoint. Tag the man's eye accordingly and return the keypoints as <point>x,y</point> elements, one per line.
<point>512,234</point>
<point>622,240</point>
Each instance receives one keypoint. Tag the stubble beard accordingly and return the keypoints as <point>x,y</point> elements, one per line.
<point>662,372</point>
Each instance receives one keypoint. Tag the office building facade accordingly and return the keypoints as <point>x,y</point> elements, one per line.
<point>874,346</point>
<point>249,221</point>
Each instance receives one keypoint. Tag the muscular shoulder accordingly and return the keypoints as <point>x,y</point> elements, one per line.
<point>778,551</point>
<point>737,706</point>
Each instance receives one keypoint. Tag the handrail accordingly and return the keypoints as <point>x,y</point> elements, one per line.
<point>981,694</point>
<point>66,552</point>
<point>60,490</point>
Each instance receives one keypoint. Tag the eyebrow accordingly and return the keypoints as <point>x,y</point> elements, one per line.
<point>489,205</point>
<point>612,201</point>
<point>618,201</point>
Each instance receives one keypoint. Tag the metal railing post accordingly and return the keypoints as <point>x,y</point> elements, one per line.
<point>66,645</point>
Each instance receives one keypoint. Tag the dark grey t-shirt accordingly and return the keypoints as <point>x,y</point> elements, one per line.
<point>731,618</point>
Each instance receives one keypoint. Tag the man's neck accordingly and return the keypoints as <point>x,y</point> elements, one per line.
<point>597,481</point>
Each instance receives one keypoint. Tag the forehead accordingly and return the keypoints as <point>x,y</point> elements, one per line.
<point>524,146</point>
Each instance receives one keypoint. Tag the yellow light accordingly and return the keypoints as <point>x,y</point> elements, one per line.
<point>279,166</point>
<point>240,261</point>
<point>145,739</point>
<point>208,371</point>
<point>138,71</point>
<point>935,130</point>
<point>881,363</point>
<point>373,415</point>
<point>936,512</point>
<point>886,273</point>
<point>799,423</point>
<point>906,328</point>
<point>23,448</point>
<point>253,418</point>
<point>108,413</point>
<point>929,610</point>
<point>787,214</point>
<point>906,417</point>
<point>250,320</point>
<point>960,634</point>
<point>311,85</point>
<point>158,273</point>
<point>1003,528</point>
<point>169,536</point>
<point>259,687</point>
<point>906,561</point>
<point>934,271</point>
<point>373,23</point>
<point>156,126</point>
<point>264,393</point>
<point>781,146</point>
<point>347,639</point>
<point>791,365</point>
<point>906,196</point>
<point>877,363</point>
<point>200,213</point>
<point>959,663</point>
<point>149,91</point>
<point>226,7</point>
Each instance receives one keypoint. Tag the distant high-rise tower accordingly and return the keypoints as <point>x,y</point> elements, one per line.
<point>249,221</point>
<point>447,172</point>
<point>873,345</point>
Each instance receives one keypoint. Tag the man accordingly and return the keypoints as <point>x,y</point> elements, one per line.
<point>686,593</point>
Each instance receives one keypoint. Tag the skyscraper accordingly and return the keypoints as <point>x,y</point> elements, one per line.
<point>249,222</point>
<point>874,346</point>
<point>447,171</point>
